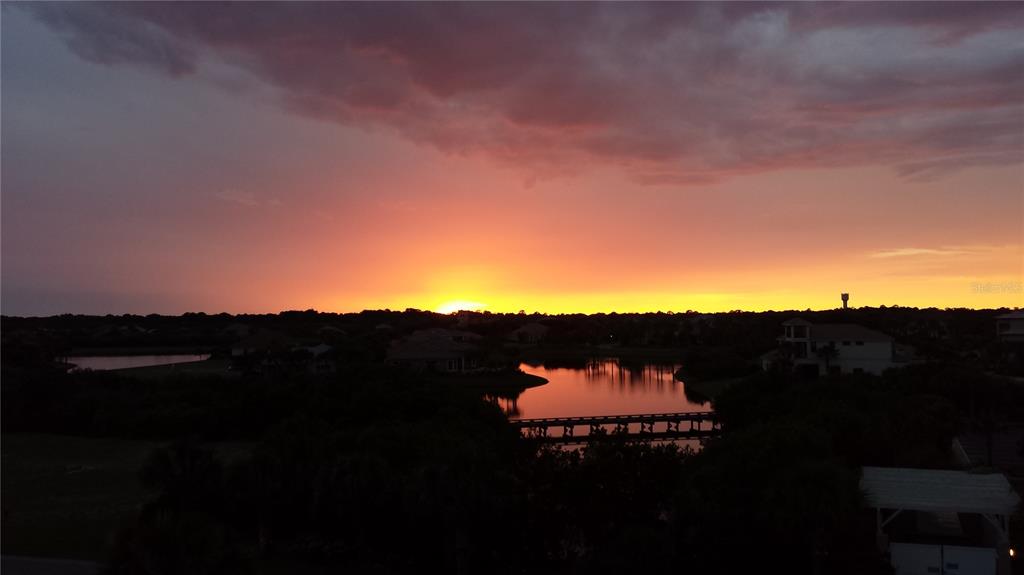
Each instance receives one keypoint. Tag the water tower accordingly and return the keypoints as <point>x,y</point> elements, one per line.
<point>846,299</point>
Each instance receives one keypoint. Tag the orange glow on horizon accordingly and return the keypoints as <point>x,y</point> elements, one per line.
<point>988,293</point>
<point>469,190</point>
<point>459,305</point>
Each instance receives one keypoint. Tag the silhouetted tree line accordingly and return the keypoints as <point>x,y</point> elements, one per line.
<point>937,334</point>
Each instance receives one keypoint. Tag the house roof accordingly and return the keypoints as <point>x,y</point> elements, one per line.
<point>319,349</point>
<point>440,332</point>
<point>796,321</point>
<point>938,490</point>
<point>1012,315</point>
<point>236,328</point>
<point>435,343</point>
<point>845,332</point>
<point>266,339</point>
<point>534,328</point>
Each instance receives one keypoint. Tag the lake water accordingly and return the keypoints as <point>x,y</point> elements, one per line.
<point>601,387</point>
<point>107,362</point>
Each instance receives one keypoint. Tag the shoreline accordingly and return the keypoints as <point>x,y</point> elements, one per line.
<point>584,352</point>
<point>710,389</point>
<point>136,351</point>
<point>492,381</point>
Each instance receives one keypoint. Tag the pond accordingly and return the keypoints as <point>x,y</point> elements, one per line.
<point>108,362</point>
<point>600,387</point>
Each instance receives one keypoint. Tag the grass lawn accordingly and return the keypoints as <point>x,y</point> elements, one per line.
<point>64,496</point>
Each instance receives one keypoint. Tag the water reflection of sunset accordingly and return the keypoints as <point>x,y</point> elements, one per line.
<point>601,387</point>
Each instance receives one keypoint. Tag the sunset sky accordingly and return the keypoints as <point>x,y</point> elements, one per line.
<point>546,157</point>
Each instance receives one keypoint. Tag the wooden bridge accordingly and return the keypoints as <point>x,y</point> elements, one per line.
<point>647,426</point>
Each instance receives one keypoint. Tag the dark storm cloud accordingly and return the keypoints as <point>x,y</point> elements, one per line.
<point>107,37</point>
<point>673,92</point>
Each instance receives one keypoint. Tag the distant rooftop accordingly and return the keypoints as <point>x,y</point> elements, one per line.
<point>838,331</point>
<point>845,332</point>
<point>440,333</point>
<point>266,339</point>
<point>434,343</point>
<point>797,321</point>
<point>1012,315</point>
<point>938,490</point>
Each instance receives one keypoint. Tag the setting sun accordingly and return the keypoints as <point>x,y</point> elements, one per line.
<point>460,305</point>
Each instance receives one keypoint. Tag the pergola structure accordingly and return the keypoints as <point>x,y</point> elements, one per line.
<point>899,489</point>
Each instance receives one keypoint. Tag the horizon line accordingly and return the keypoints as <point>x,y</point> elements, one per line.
<point>512,313</point>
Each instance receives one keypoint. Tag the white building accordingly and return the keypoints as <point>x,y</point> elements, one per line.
<point>1010,327</point>
<point>837,348</point>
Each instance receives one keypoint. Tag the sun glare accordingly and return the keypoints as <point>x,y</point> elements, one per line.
<point>460,305</point>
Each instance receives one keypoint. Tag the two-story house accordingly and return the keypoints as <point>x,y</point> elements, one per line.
<point>836,348</point>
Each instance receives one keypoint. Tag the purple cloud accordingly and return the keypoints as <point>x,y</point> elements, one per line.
<point>683,93</point>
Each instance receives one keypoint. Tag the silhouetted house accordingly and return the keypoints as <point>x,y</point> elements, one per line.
<point>440,350</point>
<point>530,333</point>
<point>1010,327</point>
<point>322,360</point>
<point>331,331</point>
<point>263,341</point>
<point>237,329</point>
<point>835,348</point>
<point>114,331</point>
<point>319,349</point>
<point>1010,334</point>
<point>941,521</point>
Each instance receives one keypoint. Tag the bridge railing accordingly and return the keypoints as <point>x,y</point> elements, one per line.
<point>595,425</point>
<point>613,419</point>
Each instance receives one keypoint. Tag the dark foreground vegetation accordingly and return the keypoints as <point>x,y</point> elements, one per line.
<point>375,470</point>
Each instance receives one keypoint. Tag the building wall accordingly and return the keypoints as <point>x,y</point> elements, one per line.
<point>847,366</point>
<point>868,350</point>
<point>1010,329</point>
<point>851,356</point>
<point>871,357</point>
<point>875,366</point>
